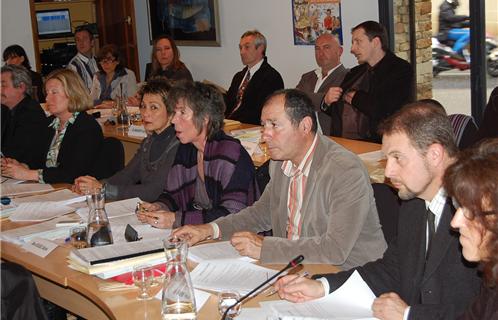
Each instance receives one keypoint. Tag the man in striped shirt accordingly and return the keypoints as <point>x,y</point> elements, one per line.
<point>83,63</point>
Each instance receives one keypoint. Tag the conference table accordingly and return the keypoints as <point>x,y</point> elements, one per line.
<point>79,293</point>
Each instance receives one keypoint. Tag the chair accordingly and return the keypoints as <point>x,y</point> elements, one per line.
<point>387,203</point>
<point>110,159</point>
<point>263,176</point>
<point>464,128</point>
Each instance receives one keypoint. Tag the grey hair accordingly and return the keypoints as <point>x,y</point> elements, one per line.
<point>259,39</point>
<point>19,74</point>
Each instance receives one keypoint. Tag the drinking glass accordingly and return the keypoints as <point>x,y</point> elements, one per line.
<point>77,236</point>
<point>263,147</point>
<point>143,276</point>
<point>227,298</point>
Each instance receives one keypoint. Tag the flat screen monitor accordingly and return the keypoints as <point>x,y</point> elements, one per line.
<point>53,23</point>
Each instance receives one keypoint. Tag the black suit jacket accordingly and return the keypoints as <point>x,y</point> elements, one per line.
<point>263,83</point>
<point>25,133</point>
<point>390,87</point>
<point>77,152</point>
<point>443,288</point>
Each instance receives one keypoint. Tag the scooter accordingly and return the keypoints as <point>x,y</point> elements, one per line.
<point>444,59</point>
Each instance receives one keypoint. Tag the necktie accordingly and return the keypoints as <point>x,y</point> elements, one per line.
<point>432,230</point>
<point>240,93</point>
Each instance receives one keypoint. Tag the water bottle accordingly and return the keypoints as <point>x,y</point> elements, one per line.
<point>98,230</point>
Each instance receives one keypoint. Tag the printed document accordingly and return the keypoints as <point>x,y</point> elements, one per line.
<point>222,250</point>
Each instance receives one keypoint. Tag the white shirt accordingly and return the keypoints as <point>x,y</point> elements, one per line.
<point>321,78</point>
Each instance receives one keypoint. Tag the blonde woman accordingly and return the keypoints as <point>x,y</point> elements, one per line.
<point>75,138</point>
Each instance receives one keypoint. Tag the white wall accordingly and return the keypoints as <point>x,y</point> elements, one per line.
<point>16,27</point>
<point>274,19</point>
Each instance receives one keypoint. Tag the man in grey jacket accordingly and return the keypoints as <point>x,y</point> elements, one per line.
<point>319,201</point>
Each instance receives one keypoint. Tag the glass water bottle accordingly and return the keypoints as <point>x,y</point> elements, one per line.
<point>178,301</point>
<point>99,229</point>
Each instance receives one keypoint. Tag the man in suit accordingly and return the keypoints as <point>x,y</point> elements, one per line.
<point>330,73</point>
<point>422,274</point>
<point>25,131</point>
<point>319,201</point>
<point>251,86</point>
<point>371,91</point>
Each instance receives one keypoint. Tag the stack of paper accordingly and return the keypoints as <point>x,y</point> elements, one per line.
<point>16,189</point>
<point>234,275</point>
<point>249,138</point>
<point>221,250</point>
<point>111,260</point>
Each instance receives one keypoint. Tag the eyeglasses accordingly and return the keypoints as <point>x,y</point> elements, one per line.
<point>107,60</point>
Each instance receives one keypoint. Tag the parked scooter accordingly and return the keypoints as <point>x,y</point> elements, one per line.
<point>444,59</point>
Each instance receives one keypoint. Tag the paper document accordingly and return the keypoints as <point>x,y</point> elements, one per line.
<point>60,197</point>
<point>222,250</point>
<point>114,209</point>
<point>6,180</point>
<point>222,275</point>
<point>353,300</point>
<point>45,230</point>
<point>145,231</point>
<point>38,211</point>
<point>13,189</point>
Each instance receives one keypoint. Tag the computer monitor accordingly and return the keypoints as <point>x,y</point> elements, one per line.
<point>53,23</point>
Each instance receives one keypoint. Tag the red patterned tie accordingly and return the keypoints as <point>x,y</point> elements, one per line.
<point>240,93</point>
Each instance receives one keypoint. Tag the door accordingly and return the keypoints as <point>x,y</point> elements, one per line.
<point>116,21</point>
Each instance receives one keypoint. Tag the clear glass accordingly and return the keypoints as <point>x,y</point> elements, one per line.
<point>143,276</point>
<point>122,118</point>
<point>95,198</point>
<point>178,300</point>
<point>226,299</point>
<point>99,229</point>
<point>77,236</point>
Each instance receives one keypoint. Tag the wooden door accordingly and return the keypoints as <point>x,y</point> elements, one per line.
<point>116,23</point>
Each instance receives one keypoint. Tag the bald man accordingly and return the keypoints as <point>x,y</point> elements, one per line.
<point>330,73</point>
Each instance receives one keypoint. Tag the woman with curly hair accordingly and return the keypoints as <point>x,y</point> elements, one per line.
<point>473,182</point>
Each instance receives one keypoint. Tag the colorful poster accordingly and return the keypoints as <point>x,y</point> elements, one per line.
<point>311,18</point>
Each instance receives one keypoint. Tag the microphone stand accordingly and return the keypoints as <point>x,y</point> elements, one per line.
<point>296,261</point>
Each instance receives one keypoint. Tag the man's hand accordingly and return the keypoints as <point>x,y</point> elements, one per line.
<point>299,289</point>
<point>194,234</point>
<point>348,97</point>
<point>389,306</point>
<point>333,94</point>
<point>247,244</point>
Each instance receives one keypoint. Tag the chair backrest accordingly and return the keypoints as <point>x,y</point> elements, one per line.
<point>263,176</point>
<point>110,159</point>
<point>461,123</point>
<point>388,203</point>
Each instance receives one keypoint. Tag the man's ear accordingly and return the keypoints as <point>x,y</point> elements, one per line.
<point>306,124</point>
<point>435,154</point>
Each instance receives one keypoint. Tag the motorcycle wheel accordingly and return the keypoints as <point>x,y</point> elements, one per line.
<point>492,68</point>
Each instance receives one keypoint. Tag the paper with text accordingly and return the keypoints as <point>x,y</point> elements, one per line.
<point>15,189</point>
<point>222,250</point>
<point>38,211</point>
<point>40,247</point>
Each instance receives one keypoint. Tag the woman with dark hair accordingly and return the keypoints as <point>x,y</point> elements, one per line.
<point>472,181</point>
<point>113,80</point>
<point>15,54</point>
<point>145,175</point>
<point>212,174</point>
<point>75,137</point>
<point>166,62</point>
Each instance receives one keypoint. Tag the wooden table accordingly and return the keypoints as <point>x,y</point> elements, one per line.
<point>79,293</point>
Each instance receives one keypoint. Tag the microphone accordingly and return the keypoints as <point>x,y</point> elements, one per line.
<point>293,263</point>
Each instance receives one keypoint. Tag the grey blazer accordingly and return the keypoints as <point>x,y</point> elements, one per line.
<point>307,84</point>
<point>340,225</point>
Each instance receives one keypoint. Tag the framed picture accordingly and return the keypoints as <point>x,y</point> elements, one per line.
<point>189,22</point>
<point>311,18</point>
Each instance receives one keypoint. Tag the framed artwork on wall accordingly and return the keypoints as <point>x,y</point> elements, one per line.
<point>189,22</point>
<point>311,18</point>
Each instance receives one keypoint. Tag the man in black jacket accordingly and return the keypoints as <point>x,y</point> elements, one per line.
<point>251,86</point>
<point>422,274</point>
<point>25,131</point>
<point>372,91</point>
<point>453,26</point>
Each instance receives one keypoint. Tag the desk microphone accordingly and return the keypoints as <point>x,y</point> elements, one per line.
<point>293,263</point>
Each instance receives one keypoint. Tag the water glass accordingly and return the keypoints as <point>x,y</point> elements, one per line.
<point>95,198</point>
<point>77,237</point>
<point>175,249</point>
<point>143,276</point>
<point>227,299</point>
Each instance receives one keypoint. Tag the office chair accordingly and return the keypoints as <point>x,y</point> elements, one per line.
<point>110,159</point>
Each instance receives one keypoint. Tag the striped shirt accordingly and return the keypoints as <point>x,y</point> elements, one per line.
<point>297,188</point>
<point>85,67</point>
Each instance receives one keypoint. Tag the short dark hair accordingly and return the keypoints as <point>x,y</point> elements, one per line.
<point>18,75</point>
<point>160,86</point>
<point>473,181</point>
<point>84,28</point>
<point>297,106</point>
<point>16,50</point>
<point>374,29</point>
<point>424,124</point>
<point>205,100</point>
<point>114,51</point>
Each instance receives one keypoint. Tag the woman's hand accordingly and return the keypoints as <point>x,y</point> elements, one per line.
<point>84,184</point>
<point>14,169</point>
<point>106,104</point>
<point>159,219</point>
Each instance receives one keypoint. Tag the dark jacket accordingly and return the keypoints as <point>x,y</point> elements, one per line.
<point>489,122</point>
<point>25,133</point>
<point>77,152</point>
<point>182,73</point>
<point>263,83</point>
<point>390,87</point>
<point>448,20</point>
<point>440,289</point>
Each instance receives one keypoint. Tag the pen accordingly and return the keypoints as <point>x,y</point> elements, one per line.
<point>301,275</point>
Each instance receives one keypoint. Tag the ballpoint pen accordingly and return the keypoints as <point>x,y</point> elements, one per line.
<point>301,275</point>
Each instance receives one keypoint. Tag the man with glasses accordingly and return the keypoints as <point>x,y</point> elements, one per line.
<point>84,63</point>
